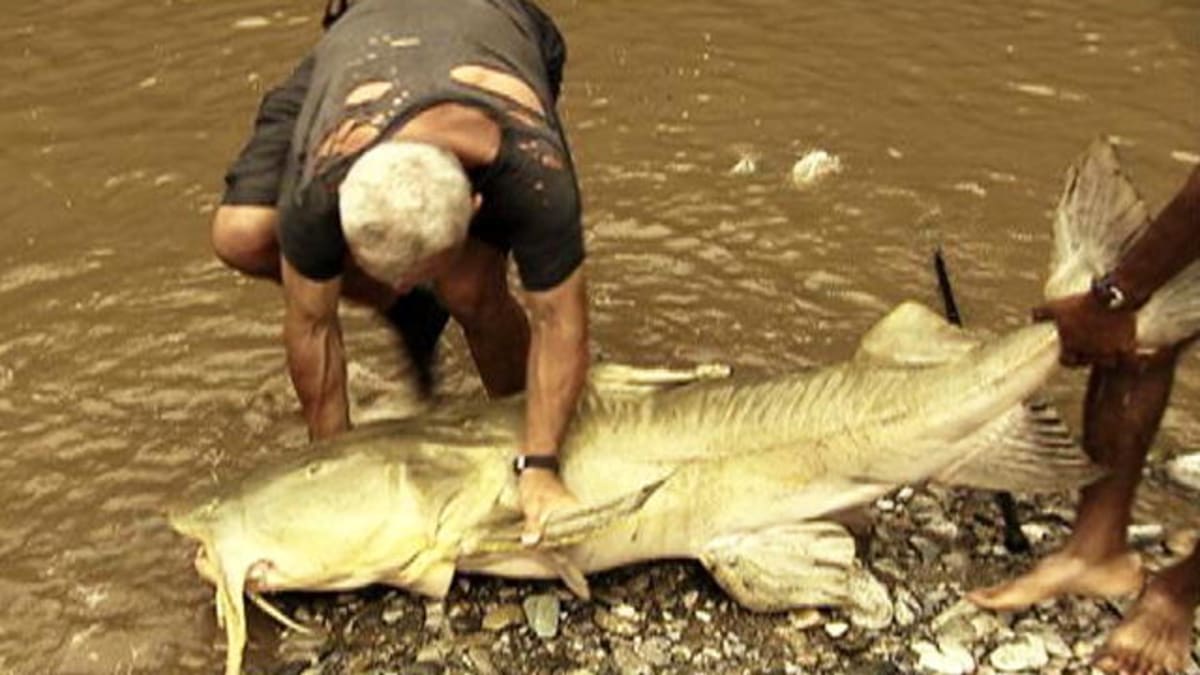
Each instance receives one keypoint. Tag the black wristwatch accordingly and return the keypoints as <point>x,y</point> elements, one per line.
<point>1108,293</point>
<point>525,462</point>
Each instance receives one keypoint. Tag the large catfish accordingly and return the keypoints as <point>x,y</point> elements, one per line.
<point>745,476</point>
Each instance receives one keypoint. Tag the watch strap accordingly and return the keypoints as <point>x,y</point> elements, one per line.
<point>525,462</point>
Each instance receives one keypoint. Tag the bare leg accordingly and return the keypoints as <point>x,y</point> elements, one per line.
<point>476,292</point>
<point>1157,635</point>
<point>1122,411</point>
<point>243,237</point>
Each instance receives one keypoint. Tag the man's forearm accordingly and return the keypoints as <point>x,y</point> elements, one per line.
<point>312,336</point>
<point>558,364</point>
<point>318,368</point>
<point>1171,243</point>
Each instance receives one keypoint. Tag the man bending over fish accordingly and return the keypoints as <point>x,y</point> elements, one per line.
<point>1127,394</point>
<point>426,149</point>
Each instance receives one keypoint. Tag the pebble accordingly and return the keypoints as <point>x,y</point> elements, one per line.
<point>628,662</point>
<point>690,598</point>
<point>391,614</point>
<point>1146,534</point>
<point>1185,470</point>
<point>928,549</point>
<point>837,629</point>
<point>433,652</point>
<point>612,623</point>
<point>435,615</point>
<point>1036,533</point>
<point>1181,542</point>
<point>806,618</point>
<point>499,618</point>
<point>656,651</point>
<point>541,612</point>
<point>1025,653</point>
<point>481,661</point>
<point>948,659</point>
<point>957,623</point>
<point>906,609</point>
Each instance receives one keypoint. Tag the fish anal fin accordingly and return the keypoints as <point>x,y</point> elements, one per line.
<point>914,336</point>
<point>1027,449</point>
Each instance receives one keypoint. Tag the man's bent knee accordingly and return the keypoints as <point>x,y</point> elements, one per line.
<point>243,237</point>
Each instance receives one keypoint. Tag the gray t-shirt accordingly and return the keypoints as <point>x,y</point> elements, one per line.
<point>531,202</point>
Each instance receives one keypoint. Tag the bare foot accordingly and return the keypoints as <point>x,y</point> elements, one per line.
<point>1063,574</point>
<point>1156,637</point>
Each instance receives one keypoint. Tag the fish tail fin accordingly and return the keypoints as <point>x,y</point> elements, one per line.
<point>1099,216</point>
<point>1028,449</point>
<point>1172,314</point>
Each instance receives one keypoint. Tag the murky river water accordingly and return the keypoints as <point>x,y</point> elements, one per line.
<point>133,366</point>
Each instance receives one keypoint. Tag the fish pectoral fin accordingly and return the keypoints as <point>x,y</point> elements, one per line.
<point>1027,449</point>
<point>914,336</point>
<point>569,572</point>
<point>563,528</point>
<point>810,564</point>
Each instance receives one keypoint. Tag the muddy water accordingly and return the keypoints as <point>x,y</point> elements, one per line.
<point>133,367</point>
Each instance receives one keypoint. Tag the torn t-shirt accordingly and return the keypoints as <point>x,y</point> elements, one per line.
<point>531,202</point>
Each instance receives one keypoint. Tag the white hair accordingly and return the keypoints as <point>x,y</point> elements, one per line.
<point>401,203</point>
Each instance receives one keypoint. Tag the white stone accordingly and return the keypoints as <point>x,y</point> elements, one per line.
<point>1185,470</point>
<point>1027,653</point>
<point>837,629</point>
<point>950,659</point>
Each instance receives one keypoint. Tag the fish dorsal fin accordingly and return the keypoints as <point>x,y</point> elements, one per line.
<point>1028,449</point>
<point>914,336</point>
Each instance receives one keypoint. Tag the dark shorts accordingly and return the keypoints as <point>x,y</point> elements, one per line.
<point>256,176</point>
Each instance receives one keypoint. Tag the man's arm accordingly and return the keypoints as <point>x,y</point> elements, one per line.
<point>557,370</point>
<point>312,337</point>
<point>558,362</point>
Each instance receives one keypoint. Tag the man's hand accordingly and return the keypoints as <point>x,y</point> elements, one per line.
<point>1090,332</point>
<point>542,493</point>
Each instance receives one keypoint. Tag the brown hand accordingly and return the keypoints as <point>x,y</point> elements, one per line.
<point>542,493</point>
<point>1090,333</point>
